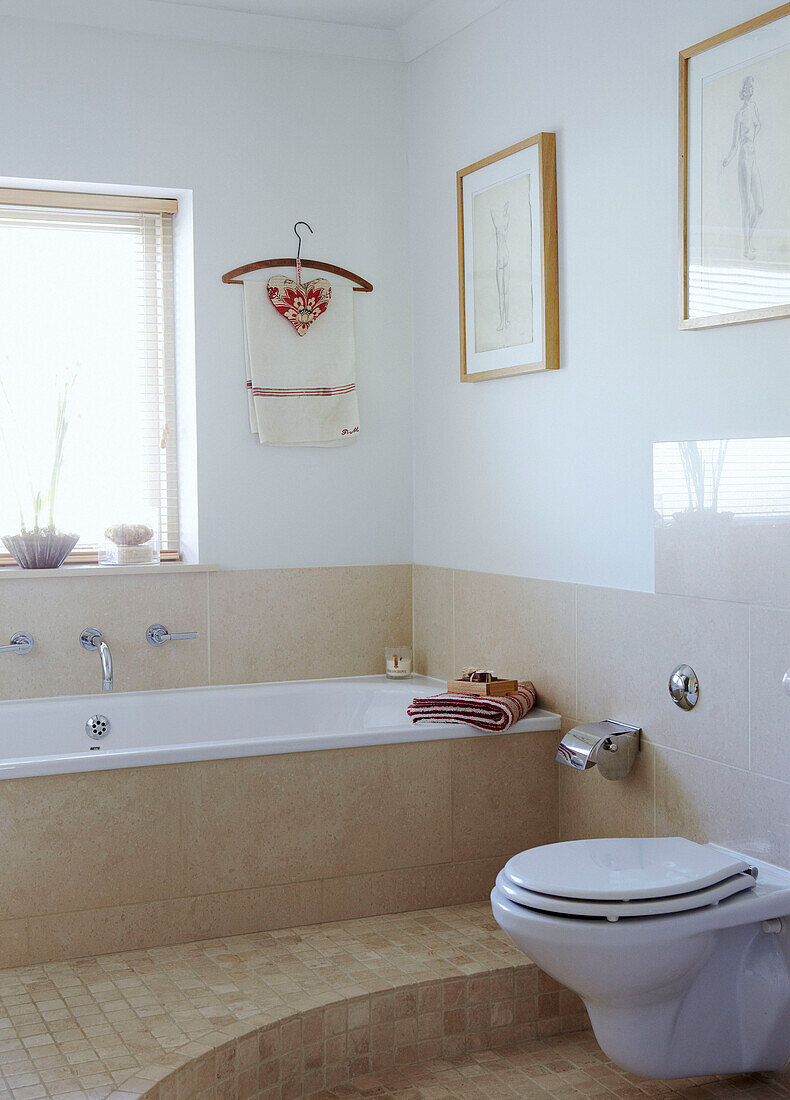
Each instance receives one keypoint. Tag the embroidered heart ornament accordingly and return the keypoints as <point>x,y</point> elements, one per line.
<point>299,304</point>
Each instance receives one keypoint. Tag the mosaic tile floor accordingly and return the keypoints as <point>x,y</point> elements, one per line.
<point>383,1006</point>
<point>88,1026</point>
<point>565,1068</point>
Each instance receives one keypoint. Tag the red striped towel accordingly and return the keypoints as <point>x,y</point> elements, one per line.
<point>486,712</point>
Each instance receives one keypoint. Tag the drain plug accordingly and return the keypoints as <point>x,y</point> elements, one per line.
<point>97,727</point>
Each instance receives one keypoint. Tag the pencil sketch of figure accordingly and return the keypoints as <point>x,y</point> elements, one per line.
<point>501,228</point>
<point>744,132</point>
<point>501,282</point>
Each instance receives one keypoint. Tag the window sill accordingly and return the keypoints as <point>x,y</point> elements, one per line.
<point>15,573</point>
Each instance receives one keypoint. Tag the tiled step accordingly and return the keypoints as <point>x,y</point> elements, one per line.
<point>572,1067</point>
<point>272,1015</point>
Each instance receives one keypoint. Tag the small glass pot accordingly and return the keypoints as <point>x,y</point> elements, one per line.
<point>397,662</point>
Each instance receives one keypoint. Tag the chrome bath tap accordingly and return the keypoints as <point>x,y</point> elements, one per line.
<point>92,640</point>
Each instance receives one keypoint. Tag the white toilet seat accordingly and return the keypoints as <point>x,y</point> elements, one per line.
<point>623,877</point>
<point>614,910</point>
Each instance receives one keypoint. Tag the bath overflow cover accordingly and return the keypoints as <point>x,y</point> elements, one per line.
<point>97,727</point>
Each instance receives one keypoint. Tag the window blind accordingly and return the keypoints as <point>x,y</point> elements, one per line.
<point>103,284</point>
<point>745,477</point>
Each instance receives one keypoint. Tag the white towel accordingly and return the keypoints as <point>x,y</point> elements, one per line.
<point>301,389</point>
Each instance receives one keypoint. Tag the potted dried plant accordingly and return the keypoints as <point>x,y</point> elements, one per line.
<point>43,546</point>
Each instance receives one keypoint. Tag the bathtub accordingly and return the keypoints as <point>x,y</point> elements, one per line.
<point>48,736</point>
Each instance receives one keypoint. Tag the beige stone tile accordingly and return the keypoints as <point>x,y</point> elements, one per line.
<point>628,644</point>
<point>241,911</point>
<point>433,622</point>
<point>55,610</point>
<point>591,806</point>
<point>174,1021</point>
<point>59,936</point>
<point>290,624</point>
<point>80,841</point>
<point>176,920</point>
<point>410,888</point>
<point>521,628</point>
<point>302,816</point>
<point>769,705</point>
<point>706,801</point>
<point>744,562</point>
<point>14,949</point>
<point>504,793</point>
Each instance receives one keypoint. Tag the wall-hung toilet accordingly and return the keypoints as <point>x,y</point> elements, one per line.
<point>680,951</point>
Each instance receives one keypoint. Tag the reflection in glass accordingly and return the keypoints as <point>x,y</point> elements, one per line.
<point>721,519</point>
<point>723,478</point>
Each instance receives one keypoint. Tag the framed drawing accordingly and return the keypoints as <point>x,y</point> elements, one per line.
<point>734,174</point>
<point>507,262</point>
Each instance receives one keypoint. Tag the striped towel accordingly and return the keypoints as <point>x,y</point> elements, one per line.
<point>495,713</point>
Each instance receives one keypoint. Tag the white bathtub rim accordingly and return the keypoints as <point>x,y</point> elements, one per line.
<point>106,757</point>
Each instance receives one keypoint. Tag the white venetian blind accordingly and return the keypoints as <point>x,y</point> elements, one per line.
<point>746,477</point>
<point>87,307</point>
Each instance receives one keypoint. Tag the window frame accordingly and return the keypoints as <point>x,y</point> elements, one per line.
<point>87,200</point>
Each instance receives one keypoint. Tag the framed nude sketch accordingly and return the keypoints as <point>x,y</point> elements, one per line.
<point>507,262</point>
<point>734,174</point>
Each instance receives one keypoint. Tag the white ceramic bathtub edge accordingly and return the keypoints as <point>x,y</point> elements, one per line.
<point>83,756</point>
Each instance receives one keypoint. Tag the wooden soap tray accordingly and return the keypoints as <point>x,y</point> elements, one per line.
<point>493,687</point>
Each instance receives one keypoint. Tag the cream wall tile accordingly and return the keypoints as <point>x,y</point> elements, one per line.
<point>706,801</point>
<point>628,644</point>
<point>591,806</point>
<point>58,936</point>
<point>55,610</point>
<point>72,935</point>
<point>521,628</point>
<point>746,562</point>
<point>769,705</point>
<point>289,624</point>
<point>302,816</point>
<point>504,793</point>
<point>410,888</point>
<point>71,842</point>
<point>14,949</point>
<point>433,621</point>
<point>237,912</point>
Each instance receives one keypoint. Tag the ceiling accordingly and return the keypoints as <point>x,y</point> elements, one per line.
<point>382,14</point>
<point>380,30</point>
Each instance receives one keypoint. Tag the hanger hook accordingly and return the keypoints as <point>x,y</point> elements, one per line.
<point>299,237</point>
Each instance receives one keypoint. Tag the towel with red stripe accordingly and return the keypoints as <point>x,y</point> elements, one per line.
<point>493,713</point>
<point>301,390</point>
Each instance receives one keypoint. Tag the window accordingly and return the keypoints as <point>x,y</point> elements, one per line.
<point>87,316</point>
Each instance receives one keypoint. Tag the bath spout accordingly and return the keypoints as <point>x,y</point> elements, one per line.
<point>92,640</point>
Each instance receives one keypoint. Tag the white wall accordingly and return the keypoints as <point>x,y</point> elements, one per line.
<point>546,476</point>
<point>550,475</point>
<point>262,139</point>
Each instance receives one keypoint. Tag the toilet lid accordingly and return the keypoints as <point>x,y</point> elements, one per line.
<point>614,910</point>
<point>622,869</point>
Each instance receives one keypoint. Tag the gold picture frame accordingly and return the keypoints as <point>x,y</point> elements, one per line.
<point>508,284</point>
<point>734,262</point>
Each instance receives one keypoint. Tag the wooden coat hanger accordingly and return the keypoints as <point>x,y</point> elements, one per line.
<point>363,286</point>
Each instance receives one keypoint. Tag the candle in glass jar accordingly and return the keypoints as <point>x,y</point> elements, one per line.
<point>397,662</point>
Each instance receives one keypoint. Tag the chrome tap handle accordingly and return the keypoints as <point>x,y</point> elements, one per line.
<point>20,643</point>
<point>158,635</point>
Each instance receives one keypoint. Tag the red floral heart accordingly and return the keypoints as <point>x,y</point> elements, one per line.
<point>301,305</point>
